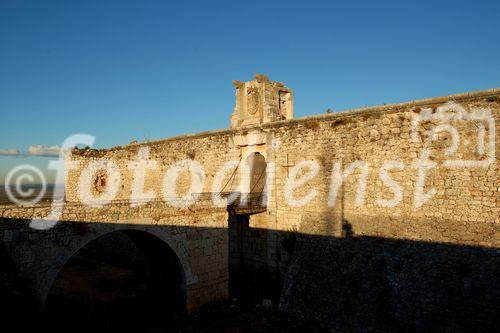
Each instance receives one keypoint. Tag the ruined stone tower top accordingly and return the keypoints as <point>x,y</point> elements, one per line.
<point>261,101</point>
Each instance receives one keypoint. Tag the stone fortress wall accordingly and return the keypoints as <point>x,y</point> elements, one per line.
<point>463,210</point>
<point>388,262</point>
<point>357,246</point>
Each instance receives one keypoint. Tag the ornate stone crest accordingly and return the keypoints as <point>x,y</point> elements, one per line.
<point>253,101</point>
<point>99,182</point>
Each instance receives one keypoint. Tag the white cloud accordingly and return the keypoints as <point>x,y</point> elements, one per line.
<point>44,151</point>
<point>37,150</point>
<point>9,152</point>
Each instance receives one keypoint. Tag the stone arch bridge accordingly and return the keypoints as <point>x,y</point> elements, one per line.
<point>396,256</point>
<point>197,239</point>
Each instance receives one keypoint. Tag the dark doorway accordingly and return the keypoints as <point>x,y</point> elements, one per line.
<point>256,164</point>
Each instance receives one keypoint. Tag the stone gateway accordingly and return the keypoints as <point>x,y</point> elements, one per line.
<point>363,217</point>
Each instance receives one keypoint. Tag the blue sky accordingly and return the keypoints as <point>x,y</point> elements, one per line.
<point>137,70</point>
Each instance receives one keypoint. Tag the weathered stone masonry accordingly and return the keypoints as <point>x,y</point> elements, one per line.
<point>463,211</point>
<point>198,238</point>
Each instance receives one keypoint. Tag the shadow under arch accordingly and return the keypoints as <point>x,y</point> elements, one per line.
<point>118,279</point>
<point>16,298</point>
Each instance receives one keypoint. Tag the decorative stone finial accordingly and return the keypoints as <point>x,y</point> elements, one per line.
<point>237,83</point>
<point>261,78</point>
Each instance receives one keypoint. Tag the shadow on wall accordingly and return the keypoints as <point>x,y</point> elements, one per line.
<point>379,284</point>
<point>15,298</point>
<point>346,283</point>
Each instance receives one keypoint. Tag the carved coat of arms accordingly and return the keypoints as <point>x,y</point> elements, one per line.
<point>253,101</point>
